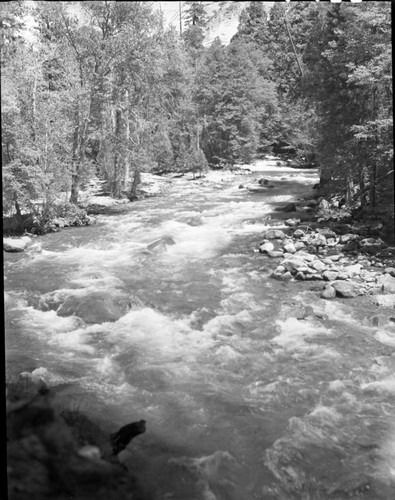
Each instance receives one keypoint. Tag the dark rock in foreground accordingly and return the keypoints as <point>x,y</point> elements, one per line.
<point>46,462</point>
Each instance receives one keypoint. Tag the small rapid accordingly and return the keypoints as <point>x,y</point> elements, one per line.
<point>165,313</point>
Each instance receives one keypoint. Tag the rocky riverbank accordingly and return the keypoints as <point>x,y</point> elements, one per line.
<point>344,257</point>
<point>58,455</point>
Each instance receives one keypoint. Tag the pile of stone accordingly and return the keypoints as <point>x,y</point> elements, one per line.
<point>322,255</point>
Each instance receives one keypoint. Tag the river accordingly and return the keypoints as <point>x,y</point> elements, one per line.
<point>244,399</point>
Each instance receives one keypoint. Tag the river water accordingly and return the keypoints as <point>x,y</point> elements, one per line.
<point>244,399</point>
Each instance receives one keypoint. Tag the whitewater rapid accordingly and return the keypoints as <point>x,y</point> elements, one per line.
<point>243,398</point>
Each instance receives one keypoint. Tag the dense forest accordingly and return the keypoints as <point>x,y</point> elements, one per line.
<point>106,90</point>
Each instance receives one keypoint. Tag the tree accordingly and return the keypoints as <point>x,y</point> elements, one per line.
<point>235,101</point>
<point>349,77</point>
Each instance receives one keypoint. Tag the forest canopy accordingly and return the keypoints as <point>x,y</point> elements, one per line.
<point>105,89</point>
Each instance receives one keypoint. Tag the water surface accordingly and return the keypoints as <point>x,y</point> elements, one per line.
<point>243,399</point>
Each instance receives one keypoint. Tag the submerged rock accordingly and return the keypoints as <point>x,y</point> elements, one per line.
<point>290,207</point>
<point>161,244</point>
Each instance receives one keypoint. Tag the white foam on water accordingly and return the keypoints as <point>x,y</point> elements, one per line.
<point>385,386</point>
<point>161,338</point>
<point>209,467</point>
<point>325,415</point>
<point>95,277</point>
<point>336,386</point>
<point>46,322</point>
<point>241,300</point>
<point>294,333</point>
<point>210,471</point>
<point>385,337</point>
<point>13,301</point>
<point>225,355</point>
<point>200,242</point>
<point>46,375</point>
<point>386,466</point>
<point>226,324</point>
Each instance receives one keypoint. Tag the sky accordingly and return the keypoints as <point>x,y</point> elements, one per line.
<point>221,26</point>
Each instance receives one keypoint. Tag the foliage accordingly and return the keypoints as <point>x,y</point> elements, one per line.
<point>104,89</point>
<point>350,80</point>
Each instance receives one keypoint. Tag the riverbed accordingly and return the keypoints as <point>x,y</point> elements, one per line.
<point>245,396</point>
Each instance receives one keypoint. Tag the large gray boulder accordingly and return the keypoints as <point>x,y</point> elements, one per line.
<point>266,247</point>
<point>328,293</point>
<point>275,234</point>
<point>16,244</point>
<point>371,245</point>
<point>330,275</point>
<point>294,265</point>
<point>346,289</point>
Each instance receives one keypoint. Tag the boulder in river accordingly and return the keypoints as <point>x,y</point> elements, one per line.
<point>318,265</point>
<point>292,222</point>
<point>274,234</point>
<point>346,288</point>
<point>298,233</point>
<point>290,207</point>
<point>275,254</point>
<point>314,239</point>
<point>371,245</point>
<point>294,265</point>
<point>329,292</point>
<point>266,247</point>
<point>16,244</point>
<point>390,270</point>
<point>290,248</point>
<point>330,275</point>
<point>299,245</point>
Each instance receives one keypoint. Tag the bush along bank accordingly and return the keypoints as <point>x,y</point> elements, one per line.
<point>46,220</point>
<point>342,256</point>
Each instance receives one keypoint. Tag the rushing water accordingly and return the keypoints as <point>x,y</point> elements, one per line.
<point>243,398</point>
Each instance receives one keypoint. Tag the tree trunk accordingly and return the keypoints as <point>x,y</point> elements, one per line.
<point>127,139</point>
<point>19,218</point>
<point>117,170</point>
<point>373,186</point>
<point>350,190</point>
<point>79,141</point>
<point>325,177</point>
<point>373,172</point>
<point>136,181</point>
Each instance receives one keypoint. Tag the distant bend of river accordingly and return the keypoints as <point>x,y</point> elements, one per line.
<point>242,399</point>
